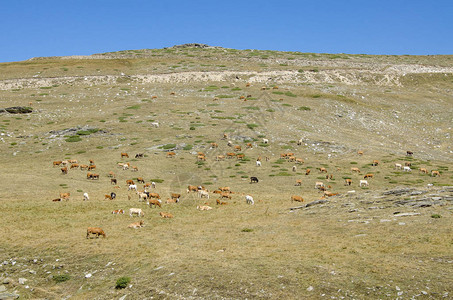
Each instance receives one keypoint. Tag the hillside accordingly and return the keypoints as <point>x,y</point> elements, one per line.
<point>323,108</point>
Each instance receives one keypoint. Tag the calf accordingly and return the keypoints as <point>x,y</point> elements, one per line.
<point>96,231</point>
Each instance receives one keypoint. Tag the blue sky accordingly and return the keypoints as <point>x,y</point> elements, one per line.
<point>78,27</point>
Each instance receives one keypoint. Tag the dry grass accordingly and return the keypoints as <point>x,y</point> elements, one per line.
<point>350,247</point>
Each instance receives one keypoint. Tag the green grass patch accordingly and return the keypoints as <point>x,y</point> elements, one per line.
<point>61,278</point>
<point>122,282</point>
<point>133,107</point>
<point>73,139</point>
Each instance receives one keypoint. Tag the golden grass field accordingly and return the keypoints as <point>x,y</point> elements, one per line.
<point>354,246</point>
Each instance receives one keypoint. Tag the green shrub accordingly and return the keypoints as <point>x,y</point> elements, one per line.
<point>73,139</point>
<point>304,108</point>
<point>252,126</point>
<point>156,180</point>
<point>188,147</point>
<point>122,282</point>
<point>247,230</point>
<point>61,278</point>
<point>169,146</point>
<point>436,216</point>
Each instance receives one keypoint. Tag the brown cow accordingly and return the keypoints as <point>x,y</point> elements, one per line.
<point>424,170</point>
<point>171,154</point>
<point>57,163</point>
<point>118,212</point>
<point>221,202</point>
<point>360,152</point>
<point>172,200</point>
<point>214,145</point>
<point>307,171</point>
<point>74,166</point>
<point>230,155</point>
<point>323,170</point>
<point>355,170</point>
<point>297,198</point>
<point>240,156</point>
<point>165,215</point>
<point>237,148</point>
<point>124,154</point>
<point>435,173</point>
<point>225,195</point>
<point>129,182</point>
<point>154,202</point>
<point>65,196</point>
<point>64,170</point>
<point>113,181</point>
<point>92,167</point>
<point>111,174</point>
<point>348,181</point>
<point>298,182</point>
<point>136,225</point>
<point>220,157</point>
<point>95,230</point>
<point>192,188</point>
<point>175,196</point>
<point>368,176</point>
<point>140,179</point>
<point>375,163</point>
<point>108,197</point>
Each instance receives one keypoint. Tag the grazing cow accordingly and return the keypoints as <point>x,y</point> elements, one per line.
<point>229,143</point>
<point>155,124</point>
<point>132,187</point>
<point>84,167</point>
<point>204,207</point>
<point>299,142</point>
<point>64,170</point>
<point>202,193</point>
<point>118,212</point>
<point>139,155</point>
<point>92,167</point>
<point>172,200</point>
<point>409,153</point>
<point>136,211</point>
<point>398,166</point>
<point>111,174</point>
<point>299,161</point>
<point>375,163</point>
<point>297,198</point>
<point>407,169</point>
<point>142,196</point>
<point>153,195</point>
<point>348,181</point>
<point>124,154</point>
<point>357,170</point>
<point>218,202</point>
<point>435,173</point>
<point>89,175</point>
<point>154,97</point>
<point>368,176</point>
<point>201,157</point>
<point>74,166</point>
<point>96,231</point>
<point>283,155</point>
<point>220,157</point>
<point>108,197</point>
<point>360,152</point>
<point>249,145</point>
<point>73,161</point>
<point>165,215</point>
<point>253,179</point>
<point>225,136</point>
<point>240,156</point>
<point>265,141</point>
<point>237,148</point>
<point>57,163</point>
<point>154,202</point>
<point>249,200</point>
<point>329,194</point>
<point>408,163</point>
<point>175,196</point>
<point>231,155</point>
<point>424,170</point>
<point>140,179</point>
<point>307,171</point>
<point>363,183</point>
<point>225,195</point>
<point>95,176</point>
<point>214,145</point>
<point>134,168</point>
<point>129,182</point>
<point>192,188</point>
<point>91,162</point>
<point>258,163</point>
<point>292,158</point>
<point>298,182</point>
<point>171,154</point>
<point>319,185</point>
<point>113,181</point>
<point>323,170</point>
<point>224,189</point>
<point>86,197</point>
<point>136,225</point>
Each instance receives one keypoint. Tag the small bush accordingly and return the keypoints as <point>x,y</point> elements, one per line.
<point>61,278</point>
<point>156,180</point>
<point>169,146</point>
<point>122,282</point>
<point>304,108</point>
<point>188,147</point>
<point>73,139</point>
<point>247,230</point>
<point>252,126</point>
<point>192,128</point>
<point>436,216</point>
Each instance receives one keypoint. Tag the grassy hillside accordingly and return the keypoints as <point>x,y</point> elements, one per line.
<point>390,239</point>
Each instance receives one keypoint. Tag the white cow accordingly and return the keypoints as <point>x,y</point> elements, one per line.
<point>203,193</point>
<point>249,200</point>
<point>155,124</point>
<point>265,141</point>
<point>86,197</point>
<point>363,183</point>
<point>407,169</point>
<point>132,187</point>
<point>258,163</point>
<point>398,166</point>
<point>136,211</point>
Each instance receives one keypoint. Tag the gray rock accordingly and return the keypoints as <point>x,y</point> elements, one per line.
<point>22,280</point>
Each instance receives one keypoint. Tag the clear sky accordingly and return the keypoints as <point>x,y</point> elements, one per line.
<point>30,28</point>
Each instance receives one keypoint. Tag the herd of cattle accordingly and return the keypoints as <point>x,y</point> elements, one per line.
<point>153,199</point>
